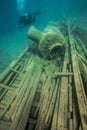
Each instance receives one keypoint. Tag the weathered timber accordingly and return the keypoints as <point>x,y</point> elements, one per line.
<point>81,97</point>
<point>47,90</point>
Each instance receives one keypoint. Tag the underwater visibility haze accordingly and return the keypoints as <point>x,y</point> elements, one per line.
<point>43,64</point>
<point>13,39</point>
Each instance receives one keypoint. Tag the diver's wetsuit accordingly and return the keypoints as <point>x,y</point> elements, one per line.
<point>27,19</point>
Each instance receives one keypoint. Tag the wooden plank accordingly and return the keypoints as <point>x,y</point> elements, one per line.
<point>16,71</point>
<point>81,97</point>
<point>51,106</point>
<point>63,74</point>
<point>12,65</point>
<point>55,114</point>
<point>70,108</point>
<point>27,100</point>
<point>7,87</point>
<point>46,98</point>
<point>13,96</point>
<point>63,102</point>
<point>70,90</point>
<point>2,106</point>
<point>19,93</point>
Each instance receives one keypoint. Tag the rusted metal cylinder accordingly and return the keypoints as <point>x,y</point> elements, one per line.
<point>50,41</point>
<point>34,34</point>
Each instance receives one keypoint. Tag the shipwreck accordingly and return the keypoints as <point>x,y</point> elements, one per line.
<point>45,88</point>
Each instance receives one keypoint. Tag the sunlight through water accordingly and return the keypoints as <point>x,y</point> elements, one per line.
<point>21,6</point>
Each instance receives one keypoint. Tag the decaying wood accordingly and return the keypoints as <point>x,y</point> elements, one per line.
<point>43,94</point>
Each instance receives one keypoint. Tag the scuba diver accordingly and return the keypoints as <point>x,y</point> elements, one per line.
<point>27,19</point>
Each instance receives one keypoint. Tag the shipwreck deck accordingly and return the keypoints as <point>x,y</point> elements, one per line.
<point>40,94</point>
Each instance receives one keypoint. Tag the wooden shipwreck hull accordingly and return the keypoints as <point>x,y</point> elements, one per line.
<point>41,94</point>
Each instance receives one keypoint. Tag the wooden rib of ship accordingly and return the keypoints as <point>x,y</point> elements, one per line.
<point>41,94</point>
